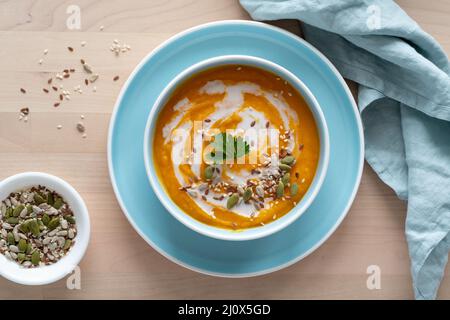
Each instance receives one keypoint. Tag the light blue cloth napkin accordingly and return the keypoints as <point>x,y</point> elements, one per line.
<point>404,99</point>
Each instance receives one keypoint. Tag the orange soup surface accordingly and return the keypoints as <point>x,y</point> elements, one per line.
<point>236,147</point>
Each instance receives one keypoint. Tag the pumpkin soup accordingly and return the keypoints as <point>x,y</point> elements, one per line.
<point>236,147</point>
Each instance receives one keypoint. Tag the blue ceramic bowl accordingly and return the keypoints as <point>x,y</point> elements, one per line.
<point>251,233</point>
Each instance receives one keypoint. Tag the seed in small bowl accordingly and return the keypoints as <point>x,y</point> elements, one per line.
<point>37,227</point>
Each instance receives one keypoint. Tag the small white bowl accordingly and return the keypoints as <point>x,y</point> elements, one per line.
<point>51,273</point>
<point>251,233</point>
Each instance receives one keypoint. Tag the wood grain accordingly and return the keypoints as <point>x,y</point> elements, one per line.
<point>118,264</point>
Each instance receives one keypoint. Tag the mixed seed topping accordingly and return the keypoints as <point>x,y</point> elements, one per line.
<point>267,185</point>
<point>37,227</point>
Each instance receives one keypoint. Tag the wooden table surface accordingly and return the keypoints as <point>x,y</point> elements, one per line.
<point>118,263</point>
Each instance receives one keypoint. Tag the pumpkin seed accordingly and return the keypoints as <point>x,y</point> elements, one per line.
<point>294,189</point>
<point>58,203</point>
<point>33,225</point>
<point>284,167</point>
<point>67,244</point>
<point>35,257</point>
<point>247,194</point>
<point>21,257</point>
<point>29,248</point>
<point>29,209</point>
<point>38,199</point>
<point>12,220</point>
<point>22,245</point>
<point>11,239</point>
<point>289,160</point>
<point>232,200</point>
<point>17,210</point>
<point>53,223</point>
<point>45,219</point>
<point>209,172</point>
<point>8,212</point>
<point>50,199</point>
<point>280,189</point>
<point>286,178</point>
<point>24,227</point>
<point>70,219</point>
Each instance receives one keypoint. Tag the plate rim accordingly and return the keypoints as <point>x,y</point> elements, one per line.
<point>112,126</point>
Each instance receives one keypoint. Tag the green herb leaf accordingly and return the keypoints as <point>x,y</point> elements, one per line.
<point>230,147</point>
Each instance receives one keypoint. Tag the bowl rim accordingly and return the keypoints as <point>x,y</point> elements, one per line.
<point>250,233</point>
<point>35,276</point>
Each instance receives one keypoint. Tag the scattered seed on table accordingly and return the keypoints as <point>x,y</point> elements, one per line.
<point>55,88</point>
<point>93,78</point>
<point>45,51</point>
<point>87,68</point>
<point>116,78</point>
<point>50,80</point>
<point>23,90</point>
<point>45,90</point>
<point>59,127</point>
<point>56,104</point>
<point>70,49</point>
<point>25,111</point>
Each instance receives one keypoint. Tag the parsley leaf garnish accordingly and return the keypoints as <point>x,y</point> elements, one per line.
<point>230,147</point>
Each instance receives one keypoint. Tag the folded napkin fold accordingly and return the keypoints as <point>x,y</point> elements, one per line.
<point>404,100</point>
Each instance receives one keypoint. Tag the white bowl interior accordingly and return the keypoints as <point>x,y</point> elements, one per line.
<point>51,273</point>
<point>251,233</point>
